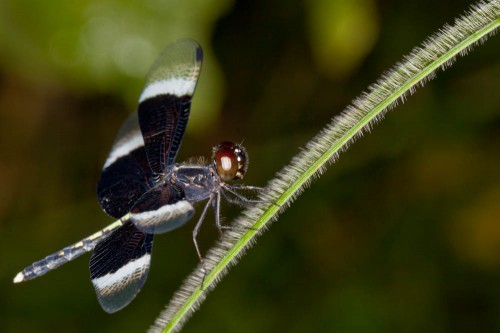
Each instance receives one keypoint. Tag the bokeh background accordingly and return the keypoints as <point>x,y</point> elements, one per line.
<point>402,234</point>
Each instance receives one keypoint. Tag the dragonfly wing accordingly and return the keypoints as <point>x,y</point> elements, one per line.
<point>126,173</point>
<point>119,266</point>
<point>161,209</point>
<point>165,102</point>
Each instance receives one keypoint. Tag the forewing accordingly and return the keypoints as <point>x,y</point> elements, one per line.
<point>166,100</point>
<point>126,173</point>
<point>119,266</point>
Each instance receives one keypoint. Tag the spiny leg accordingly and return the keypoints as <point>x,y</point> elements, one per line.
<point>218,224</point>
<point>247,187</point>
<point>231,188</point>
<point>217,213</point>
<point>242,199</point>
<point>195,234</point>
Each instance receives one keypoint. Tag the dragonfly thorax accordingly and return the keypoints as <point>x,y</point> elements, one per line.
<point>198,181</point>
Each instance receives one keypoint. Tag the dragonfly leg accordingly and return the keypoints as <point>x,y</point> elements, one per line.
<point>242,200</point>
<point>247,187</point>
<point>195,235</point>
<point>216,204</point>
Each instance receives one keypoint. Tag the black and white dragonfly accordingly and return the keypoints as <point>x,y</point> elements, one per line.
<point>143,187</point>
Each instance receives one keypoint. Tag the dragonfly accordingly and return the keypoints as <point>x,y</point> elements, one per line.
<point>143,188</point>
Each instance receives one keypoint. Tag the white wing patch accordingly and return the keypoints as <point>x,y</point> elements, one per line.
<point>124,147</point>
<point>110,282</point>
<point>174,86</point>
<point>116,290</point>
<point>165,218</point>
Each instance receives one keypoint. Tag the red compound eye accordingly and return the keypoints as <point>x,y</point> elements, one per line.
<point>230,161</point>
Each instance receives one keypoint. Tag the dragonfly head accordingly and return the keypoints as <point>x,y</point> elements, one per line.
<point>230,161</point>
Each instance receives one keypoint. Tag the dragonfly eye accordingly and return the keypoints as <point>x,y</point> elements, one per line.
<point>230,161</point>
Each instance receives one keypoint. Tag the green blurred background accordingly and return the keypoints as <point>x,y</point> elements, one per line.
<point>402,234</point>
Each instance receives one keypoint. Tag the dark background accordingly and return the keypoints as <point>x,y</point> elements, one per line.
<point>402,234</point>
